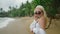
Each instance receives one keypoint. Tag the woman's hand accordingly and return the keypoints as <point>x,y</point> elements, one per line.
<point>36,17</point>
<point>32,32</point>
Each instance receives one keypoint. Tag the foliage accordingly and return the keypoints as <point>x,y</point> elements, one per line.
<point>51,7</point>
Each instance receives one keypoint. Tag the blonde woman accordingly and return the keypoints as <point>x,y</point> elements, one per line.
<point>39,24</point>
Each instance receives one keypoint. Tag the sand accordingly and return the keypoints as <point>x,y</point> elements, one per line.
<point>21,26</point>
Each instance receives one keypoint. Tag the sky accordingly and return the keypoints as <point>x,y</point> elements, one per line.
<point>6,3</point>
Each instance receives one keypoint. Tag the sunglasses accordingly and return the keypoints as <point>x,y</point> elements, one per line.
<point>37,12</point>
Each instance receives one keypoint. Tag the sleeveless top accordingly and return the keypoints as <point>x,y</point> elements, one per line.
<point>36,28</point>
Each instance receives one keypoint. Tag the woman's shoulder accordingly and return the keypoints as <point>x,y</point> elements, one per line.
<point>43,17</point>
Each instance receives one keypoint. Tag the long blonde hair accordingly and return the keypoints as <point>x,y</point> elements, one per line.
<point>45,15</point>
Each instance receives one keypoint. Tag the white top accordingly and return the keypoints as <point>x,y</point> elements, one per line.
<point>36,28</point>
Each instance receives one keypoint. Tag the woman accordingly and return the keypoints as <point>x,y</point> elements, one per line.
<point>39,23</point>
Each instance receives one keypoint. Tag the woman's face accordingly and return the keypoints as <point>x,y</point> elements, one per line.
<point>38,12</point>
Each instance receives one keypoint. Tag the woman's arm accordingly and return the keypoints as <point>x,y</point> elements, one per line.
<point>32,26</point>
<point>42,22</point>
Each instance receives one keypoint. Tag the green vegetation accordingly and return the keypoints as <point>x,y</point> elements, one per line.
<point>51,7</point>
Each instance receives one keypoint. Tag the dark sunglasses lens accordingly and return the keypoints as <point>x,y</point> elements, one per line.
<point>37,13</point>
